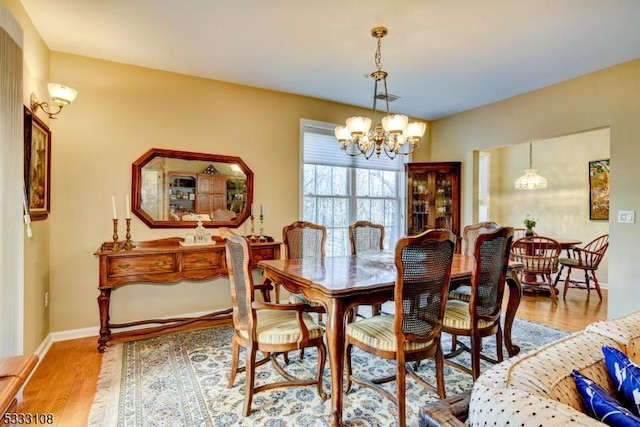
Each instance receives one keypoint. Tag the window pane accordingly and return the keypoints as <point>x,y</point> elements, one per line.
<point>309,179</point>
<point>340,181</point>
<point>323,180</point>
<point>362,183</point>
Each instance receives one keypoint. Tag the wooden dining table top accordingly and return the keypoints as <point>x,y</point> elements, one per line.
<point>343,274</point>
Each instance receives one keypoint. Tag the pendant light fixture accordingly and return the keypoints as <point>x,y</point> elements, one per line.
<point>530,180</point>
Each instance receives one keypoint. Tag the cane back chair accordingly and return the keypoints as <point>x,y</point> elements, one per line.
<point>470,234</point>
<point>270,328</point>
<point>366,236</point>
<point>480,316</point>
<point>423,263</point>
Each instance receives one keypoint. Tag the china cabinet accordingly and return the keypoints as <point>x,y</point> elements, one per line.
<point>433,196</point>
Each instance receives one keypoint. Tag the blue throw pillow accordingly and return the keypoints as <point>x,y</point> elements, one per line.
<point>600,405</point>
<point>625,376</point>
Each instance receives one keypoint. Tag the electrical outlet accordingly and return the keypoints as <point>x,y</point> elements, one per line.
<point>46,299</point>
<point>627,217</point>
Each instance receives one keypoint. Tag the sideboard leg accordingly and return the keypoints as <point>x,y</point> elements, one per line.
<point>105,332</point>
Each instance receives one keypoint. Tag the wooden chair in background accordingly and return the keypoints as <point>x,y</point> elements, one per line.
<point>586,259</point>
<point>366,236</point>
<point>539,257</point>
<point>412,334</point>
<point>480,316</point>
<point>266,327</point>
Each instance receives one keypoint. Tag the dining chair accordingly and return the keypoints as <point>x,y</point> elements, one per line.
<point>304,239</point>
<point>270,328</point>
<point>539,257</point>
<point>480,316</point>
<point>470,234</point>
<point>423,264</point>
<point>366,236</point>
<point>587,259</point>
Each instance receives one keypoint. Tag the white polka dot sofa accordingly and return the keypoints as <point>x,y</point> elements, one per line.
<point>536,388</point>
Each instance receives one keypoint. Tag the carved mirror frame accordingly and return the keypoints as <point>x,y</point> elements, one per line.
<point>149,156</point>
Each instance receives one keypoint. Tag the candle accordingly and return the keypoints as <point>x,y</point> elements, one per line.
<point>260,210</point>
<point>252,209</point>
<point>113,204</point>
<point>128,212</point>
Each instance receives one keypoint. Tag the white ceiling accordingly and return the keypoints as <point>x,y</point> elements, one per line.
<point>443,56</point>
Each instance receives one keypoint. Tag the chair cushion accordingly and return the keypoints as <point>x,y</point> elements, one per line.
<point>456,315</point>
<point>301,299</point>
<point>625,376</point>
<point>462,293</point>
<point>378,332</point>
<point>602,406</point>
<point>574,262</point>
<point>281,327</point>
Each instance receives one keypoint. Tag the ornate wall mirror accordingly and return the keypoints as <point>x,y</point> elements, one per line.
<point>173,189</point>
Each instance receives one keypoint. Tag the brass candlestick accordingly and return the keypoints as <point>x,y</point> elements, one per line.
<point>252,229</point>
<point>116,245</point>
<point>128,244</point>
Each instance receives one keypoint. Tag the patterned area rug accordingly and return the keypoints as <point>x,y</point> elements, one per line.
<point>181,380</point>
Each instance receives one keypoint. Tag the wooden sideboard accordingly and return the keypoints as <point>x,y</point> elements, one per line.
<point>163,261</point>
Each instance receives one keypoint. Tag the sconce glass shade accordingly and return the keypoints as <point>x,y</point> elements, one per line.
<point>61,94</point>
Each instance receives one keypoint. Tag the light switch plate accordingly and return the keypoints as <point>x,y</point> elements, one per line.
<point>627,217</point>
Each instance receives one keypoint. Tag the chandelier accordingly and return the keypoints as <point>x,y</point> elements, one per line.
<point>530,180</point>
<point>393,136</point>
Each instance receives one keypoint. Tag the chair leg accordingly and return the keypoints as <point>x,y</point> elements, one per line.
<point>235,350</point>
<point>476,342</point>
<point>401,383</point>
<point>439,358</point>
<point>566,283</point>
<point>596,284</point>
<point>555,283</point>
<point>250,376</point>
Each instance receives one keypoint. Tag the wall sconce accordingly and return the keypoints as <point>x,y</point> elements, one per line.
<point>61,95</point>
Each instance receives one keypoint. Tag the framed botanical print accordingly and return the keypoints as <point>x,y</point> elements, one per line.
<point>37,166</point>
<point>599,190</point>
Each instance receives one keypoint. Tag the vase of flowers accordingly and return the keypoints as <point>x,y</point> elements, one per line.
<point>530,223</point>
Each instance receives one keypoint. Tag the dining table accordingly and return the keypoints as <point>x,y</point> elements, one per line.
<point>340,283</point>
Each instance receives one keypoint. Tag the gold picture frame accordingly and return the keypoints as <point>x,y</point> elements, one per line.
<point>37,166</point>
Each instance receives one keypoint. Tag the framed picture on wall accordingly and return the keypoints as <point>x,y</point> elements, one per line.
<point>599,190</point>
<point>37,166</point>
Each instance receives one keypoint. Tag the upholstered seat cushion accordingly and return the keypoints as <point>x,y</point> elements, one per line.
<point>462,293</point>
<point>281,327</point>
<point>456,315</point>
<point>378,332</point>
<point>573,262</point>
<point>301,299</point>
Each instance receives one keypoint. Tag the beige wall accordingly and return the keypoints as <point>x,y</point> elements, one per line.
<point>121,112</point>
<point>563,208</point>
<point>36,248</point>
<point>608,98</point>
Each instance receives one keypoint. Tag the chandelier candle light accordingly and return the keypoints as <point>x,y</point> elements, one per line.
<point>395,135</point>
<point>530,180</point>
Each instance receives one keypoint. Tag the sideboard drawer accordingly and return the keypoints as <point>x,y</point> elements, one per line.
<point>259,254</point>
<point>203,260</point>
<point>127,266</point>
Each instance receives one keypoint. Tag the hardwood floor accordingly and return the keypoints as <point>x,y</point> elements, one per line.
<point>65,381</point>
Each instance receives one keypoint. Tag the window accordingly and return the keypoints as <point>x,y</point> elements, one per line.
<point>338,190</point>
<point>484,159</point>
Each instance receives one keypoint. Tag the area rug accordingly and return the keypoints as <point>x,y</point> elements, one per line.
<point>181,380</point>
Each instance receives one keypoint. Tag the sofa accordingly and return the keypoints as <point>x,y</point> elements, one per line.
<point>536,388</point>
